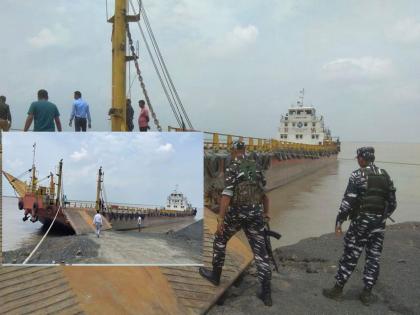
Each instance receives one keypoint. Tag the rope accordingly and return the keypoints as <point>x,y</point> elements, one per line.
<point>385,162</point>
<point>42,239</point>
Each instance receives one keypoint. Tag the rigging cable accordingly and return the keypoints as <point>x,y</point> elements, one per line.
<point>148,25</point>
<point>157,70</point>
<point>161,64</point>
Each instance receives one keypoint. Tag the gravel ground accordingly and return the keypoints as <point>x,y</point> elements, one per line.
<point>310,265</point>
<point>128,247</point>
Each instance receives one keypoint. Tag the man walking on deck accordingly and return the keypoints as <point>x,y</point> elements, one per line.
<point>80,113</point>
<point>143,117</point>
<point>5,116</point>
<point>243,205</point>
<point>44,113</point>
<point>97,221</point>
<point>368,201</point>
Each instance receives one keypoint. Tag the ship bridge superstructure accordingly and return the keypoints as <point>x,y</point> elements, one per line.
<point>302,125</point>
<point>177,202</point>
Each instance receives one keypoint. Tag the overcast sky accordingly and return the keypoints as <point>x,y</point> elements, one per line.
<point>238,65</point>
<point>140,168</point>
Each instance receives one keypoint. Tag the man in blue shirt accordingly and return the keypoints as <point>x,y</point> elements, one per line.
<point>44,113</point>
<point>80,113</point>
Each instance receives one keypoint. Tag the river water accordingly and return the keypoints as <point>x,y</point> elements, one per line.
<point>308,207</point>
<point>15,232</point>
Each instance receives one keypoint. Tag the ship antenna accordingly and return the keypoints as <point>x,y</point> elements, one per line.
<point>302,95</point>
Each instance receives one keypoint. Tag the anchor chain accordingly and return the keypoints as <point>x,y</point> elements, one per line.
<point>140,77</point>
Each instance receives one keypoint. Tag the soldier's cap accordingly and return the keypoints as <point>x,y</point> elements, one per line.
<point>366,153</point>
<point>238,145</point>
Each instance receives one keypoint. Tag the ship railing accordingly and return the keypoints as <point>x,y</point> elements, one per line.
<point>223,142</point>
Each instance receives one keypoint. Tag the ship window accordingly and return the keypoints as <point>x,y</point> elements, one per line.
<point>286,118</point>
<point>299,136</point>
<point>313,136</point>
<point>293,124</point>
<point>299,112</point>
<point>317,136</point>
<point>313,124</point>
<point>291,112</point>
<point>305,124</point>
<point>285,124</point>
<point>309,112</point>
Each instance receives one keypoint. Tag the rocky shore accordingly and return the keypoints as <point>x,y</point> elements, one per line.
<point>310,265</point>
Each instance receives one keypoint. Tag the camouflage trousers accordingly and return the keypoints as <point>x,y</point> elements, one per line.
<point>365,232</point>
<point>252,222</point>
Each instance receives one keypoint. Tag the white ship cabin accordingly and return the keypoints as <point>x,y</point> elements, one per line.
<point>301,125</point>
<point>177,202</point>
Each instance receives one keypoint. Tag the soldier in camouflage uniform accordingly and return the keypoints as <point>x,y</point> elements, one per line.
<point>369,200</point>
<point>243,205</point>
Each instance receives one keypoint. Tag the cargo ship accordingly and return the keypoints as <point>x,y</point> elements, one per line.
<point>50,204</point>
<point>304,145</point>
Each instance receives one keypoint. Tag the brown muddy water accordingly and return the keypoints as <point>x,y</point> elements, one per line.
<point>308,207</point>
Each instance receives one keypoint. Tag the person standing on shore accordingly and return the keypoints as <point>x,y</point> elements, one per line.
<point>243,205</point>
<point>5,116</point>
<point>97,221</point>
<point>143,117</point>
<point>139,222</point>
<point>368,201</point>
<point>80,113</point>
<point>44,113</point>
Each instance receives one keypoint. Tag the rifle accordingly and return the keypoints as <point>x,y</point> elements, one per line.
<point>386,216</point>
<point>267,234</point>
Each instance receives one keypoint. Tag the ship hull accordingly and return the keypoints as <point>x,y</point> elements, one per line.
<point>127,223</point>
<point>282,172</point>
<point>279,170</point>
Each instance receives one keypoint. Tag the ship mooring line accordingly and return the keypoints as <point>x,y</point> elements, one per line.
<point>42,239</point>
<point>385,162</point>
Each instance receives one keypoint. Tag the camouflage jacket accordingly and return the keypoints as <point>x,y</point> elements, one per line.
<point>244,171</point>
<point>356,189</point>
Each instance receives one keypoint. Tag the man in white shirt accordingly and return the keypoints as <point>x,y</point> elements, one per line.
<point>97,221</point>
<point>139,222</point>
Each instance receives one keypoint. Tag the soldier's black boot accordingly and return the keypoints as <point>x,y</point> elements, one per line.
<point>366,296</point>
<point>335,293</point>
<point>212,275</point>
<point>265,293</point>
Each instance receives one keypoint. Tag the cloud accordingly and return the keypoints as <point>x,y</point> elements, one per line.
<point>49,37</point>
<point>166,148</point>
<point>405,31</point>
<point>79,155</point>
<point>358,68</point>
<point>235,40</point>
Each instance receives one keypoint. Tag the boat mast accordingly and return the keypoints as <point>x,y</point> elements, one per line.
<point>60,178</point>
<point>99,189</point>
<point>33,180</point>
<point>119,59</point>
